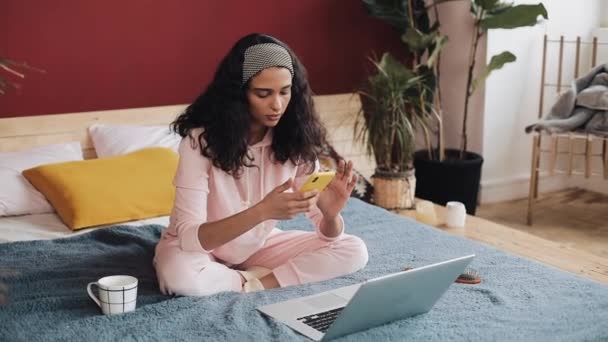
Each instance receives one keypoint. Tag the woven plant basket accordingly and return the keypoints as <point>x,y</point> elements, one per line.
<point>394,190</point>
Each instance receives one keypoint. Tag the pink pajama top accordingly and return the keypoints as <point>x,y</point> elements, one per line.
<point>205,193</point>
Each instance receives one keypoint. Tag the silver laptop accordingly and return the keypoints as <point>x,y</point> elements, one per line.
<point>349,309</point>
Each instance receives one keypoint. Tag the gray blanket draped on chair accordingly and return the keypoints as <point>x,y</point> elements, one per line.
<point>584,107</point>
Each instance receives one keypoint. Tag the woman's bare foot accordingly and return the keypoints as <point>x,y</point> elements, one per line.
<point>270,281</point>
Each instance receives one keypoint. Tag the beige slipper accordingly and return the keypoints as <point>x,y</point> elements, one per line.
<point>253,285</point>
<point>252,278</point>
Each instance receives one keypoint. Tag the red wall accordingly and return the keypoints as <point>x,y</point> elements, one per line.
<point>122,54</point>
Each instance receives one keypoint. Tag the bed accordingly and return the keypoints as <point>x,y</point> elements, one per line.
<point>46,273</point>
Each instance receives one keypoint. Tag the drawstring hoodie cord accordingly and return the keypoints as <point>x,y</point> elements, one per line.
<point>247,203</point>
<point>262,174</point>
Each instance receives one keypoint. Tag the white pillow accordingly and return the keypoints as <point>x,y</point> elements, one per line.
<point>17,195</point>
<point>111,140</point>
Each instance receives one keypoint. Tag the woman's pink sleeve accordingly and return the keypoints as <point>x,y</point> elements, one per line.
<point>191,191</point>
<point>315,215</point>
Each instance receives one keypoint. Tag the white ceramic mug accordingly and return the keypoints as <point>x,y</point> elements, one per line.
<point>117,294</point>
<point>456,215</point>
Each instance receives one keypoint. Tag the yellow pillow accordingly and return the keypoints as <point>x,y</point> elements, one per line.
<point>109,190</point>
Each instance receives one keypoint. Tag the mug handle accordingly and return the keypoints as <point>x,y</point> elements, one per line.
<point>93,297</point>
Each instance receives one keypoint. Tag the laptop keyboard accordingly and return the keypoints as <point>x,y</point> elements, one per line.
<point>322,320</point>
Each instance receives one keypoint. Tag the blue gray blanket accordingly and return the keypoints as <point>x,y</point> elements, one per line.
<point>583,107</point>
<point>518,299</point>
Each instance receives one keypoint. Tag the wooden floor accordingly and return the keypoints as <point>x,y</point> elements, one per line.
<point>570,231</point>
<point>575,218</point>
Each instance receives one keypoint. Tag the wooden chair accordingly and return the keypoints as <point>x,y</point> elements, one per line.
<point>572,139</point>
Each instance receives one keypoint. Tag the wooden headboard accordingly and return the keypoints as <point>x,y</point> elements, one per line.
<point>337,112</point>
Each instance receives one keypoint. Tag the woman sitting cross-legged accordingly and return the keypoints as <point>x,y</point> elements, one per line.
<point>249,141</point>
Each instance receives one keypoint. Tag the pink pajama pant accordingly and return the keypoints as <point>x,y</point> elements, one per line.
<point>295,257</point>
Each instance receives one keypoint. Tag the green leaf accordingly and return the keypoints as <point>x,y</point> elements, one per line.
<point>392,68</point>
<point>440,41</point>
<point>392,12</point>
<point>426,88</point>
<point>486,4</point>
<point>496,63</point>
<point>420,15</point>
<point>397,13</point>
<point>416,40</point>
<point>392,102</point>
<point>514,16</point>
<point>499,8</point>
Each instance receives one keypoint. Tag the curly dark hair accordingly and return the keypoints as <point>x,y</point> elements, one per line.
<point>222,111</point>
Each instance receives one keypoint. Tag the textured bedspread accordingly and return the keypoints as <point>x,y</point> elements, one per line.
<point>518,299</point>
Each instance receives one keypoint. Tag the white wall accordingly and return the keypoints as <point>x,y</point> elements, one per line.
<point>512,95</point>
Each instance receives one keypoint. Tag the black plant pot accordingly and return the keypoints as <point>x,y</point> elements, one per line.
<point>450,180</point>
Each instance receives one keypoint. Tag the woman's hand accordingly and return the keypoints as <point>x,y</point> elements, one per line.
<point>282,205</point>
<point>333,199</point>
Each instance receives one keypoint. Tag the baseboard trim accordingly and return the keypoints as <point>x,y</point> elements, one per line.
<point>595,184</point>
<point>505,189</point>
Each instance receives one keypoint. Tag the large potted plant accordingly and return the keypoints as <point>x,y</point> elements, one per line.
<point>445,174</point>
<point>397,101</point>
<point>390,111</point>
<point>423,42</point>
<point>455,174</point>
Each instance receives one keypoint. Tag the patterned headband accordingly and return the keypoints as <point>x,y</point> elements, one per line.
<point>261,56</point>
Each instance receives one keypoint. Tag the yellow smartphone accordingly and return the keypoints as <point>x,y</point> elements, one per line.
<point>318,181</point>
